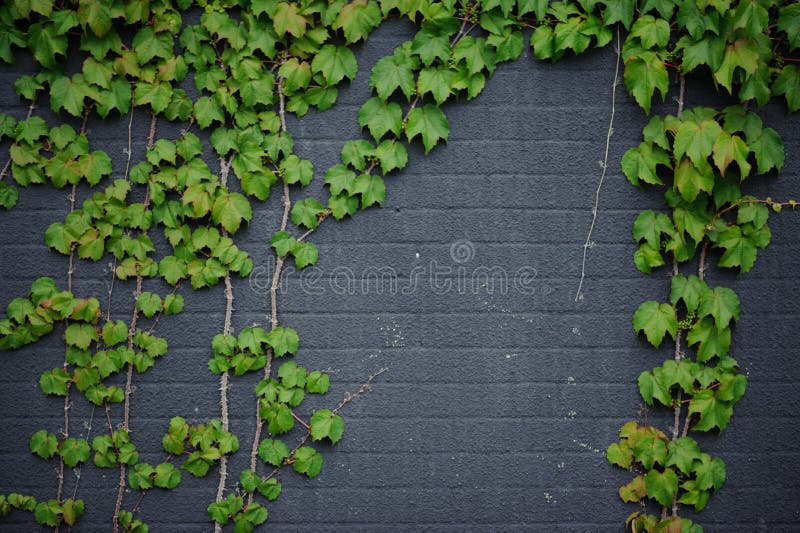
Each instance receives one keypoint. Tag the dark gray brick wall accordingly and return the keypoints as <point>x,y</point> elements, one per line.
<point>496,408</point>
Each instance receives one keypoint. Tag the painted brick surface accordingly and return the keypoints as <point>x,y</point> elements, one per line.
<point>497,404</point>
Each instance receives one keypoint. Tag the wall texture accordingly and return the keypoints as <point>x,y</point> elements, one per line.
<point>497,405</point>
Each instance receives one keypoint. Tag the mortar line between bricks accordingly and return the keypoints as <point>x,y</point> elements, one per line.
<point>550,313</point>
<point>561,418</point>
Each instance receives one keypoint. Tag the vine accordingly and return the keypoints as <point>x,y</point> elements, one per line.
<point>251,63</point>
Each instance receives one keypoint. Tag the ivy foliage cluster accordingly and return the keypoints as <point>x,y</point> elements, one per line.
<point>235,72</point>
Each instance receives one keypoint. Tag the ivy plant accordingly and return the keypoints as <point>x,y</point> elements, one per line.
<point>234,73</point>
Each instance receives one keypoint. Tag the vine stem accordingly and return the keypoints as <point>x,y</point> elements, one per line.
<point>126,413</point>
<point>28,116</point>
<point>365,388</point>
<point>225,167</point>
<point>348,397</point>
<point>701,273</point>
<point>604,166</point>
<point>70,271</point>
<point>748,201</point>
<point>88,435</point>
<point>676,418</point>
<point>130,126</point>
<point>273,290</point>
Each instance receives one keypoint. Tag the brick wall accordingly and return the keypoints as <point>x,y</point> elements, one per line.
<point>496,406</point>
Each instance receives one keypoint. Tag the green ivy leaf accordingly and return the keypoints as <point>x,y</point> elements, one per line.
<point>55,382</point>
<point>789,23</point>
<point>709,473</point>
<point>148,45</point>
<point>141,477</point>
<point>696,140</point>
<point>436,81</point>
<point>713,342</point>
<point>357,19</point>
<point>96,14</point>
<point>45,42</point>
<point>683,452</point>
<point>44,444</point>
<point>428,122</point>
<point>714,412</point>
<point>620,11</point>
<point>729,148</point>
<point>166,476</point>
<point>47,514</point>
<point>392,155</point>
<point>508,44</point>
<point>634,491</point>
<point>325,423</point>
<point>340,179</point>
<point>296,170</point>
<point>381,117</point>
<point>476,54</point>
<point>651,31</point>
<point>287,19</point>
<point>283,341</point>
<point>292,375</point>
<point>159,96</point>
<point>646,258</point>
<point>305,254</point>
<point>114,332</point>
<point>662,487</point>
<point>283,243</point>
<point>569,35</point>
<point>543,43</point>
<point>318,382</point>
<point>342,205</point>
<point>80,335</point>
<point>74,451</point>
<point>248,480</point>
<point>258,184</point>
<point>741,249</point>
<point>618,453</point>
<point>720,303</point>
<point>207,111</point>
<point>149,304</point>
<point>270,489</point>
<point>691,180</point>
<point>30,130</point>
<point>173,304</point>
<point>655,320</point>
<point>306,212</point>
<point>296,75</point>
<point>67,94</point>
<point>335,63</point>
<point>742,53</point>
<point>753,212</point>
<point>392,73</point>
<point>273,452</point>
<point>644,73</point>
<point>172,269</point>
<point>652,387</point>
<point>431,45</point>
<point>307,461</point>
<point>650,450</point>
<point>641,163</point>
<point>230,210</point>
<point>356,152</point>
<point>371,188</point>
<point>688,289</point>
<point>8,196</point>
<point>705,51</point>
<point>650,227</point>
<point>768,149</point>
